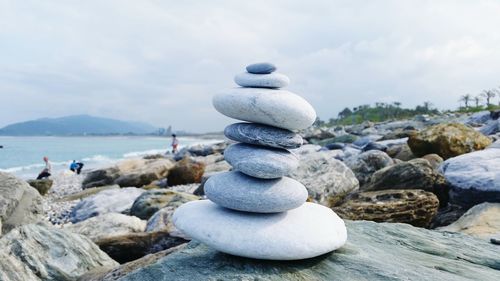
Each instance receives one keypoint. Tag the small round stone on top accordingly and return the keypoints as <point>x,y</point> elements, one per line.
<point>261,68</point>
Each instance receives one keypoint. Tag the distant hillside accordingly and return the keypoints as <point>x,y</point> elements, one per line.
<point>76,125</point>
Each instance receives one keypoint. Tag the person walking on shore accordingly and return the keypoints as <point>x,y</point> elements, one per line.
<point>175,143</point>
<point>45,173</point>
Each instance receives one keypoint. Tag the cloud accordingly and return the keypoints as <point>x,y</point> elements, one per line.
<point>162,61</point>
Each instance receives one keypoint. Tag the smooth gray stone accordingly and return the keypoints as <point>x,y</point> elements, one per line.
<point>261,68</point>
<point>261,162</point>
<point>271,80</point>
<point>237,191</point>
<point>278,108</point>
<point>307,231</point>
<point>265,135</point>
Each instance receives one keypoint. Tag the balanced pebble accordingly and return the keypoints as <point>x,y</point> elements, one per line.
<point>261,68</point>
<point>237,191</point>
<point>307,231</point>
<point>272,80</point>
<point>261,162</point>
<point>265,135</point>
<point>278,108</point>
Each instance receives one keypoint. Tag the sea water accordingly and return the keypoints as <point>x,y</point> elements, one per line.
<point>23,156</point>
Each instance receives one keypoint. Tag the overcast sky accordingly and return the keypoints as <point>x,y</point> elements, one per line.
<point>162,61</point>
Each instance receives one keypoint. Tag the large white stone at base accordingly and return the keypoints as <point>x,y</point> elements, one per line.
<point>305,232</point>
<point>278,108</point>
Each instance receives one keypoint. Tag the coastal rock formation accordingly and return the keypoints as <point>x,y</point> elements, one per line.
<point>161,220</point>
<point>106,225</point>
<point>186,171</point>
<point>19,203</point>
<point>374,251</point>
<point>43,186</point>
<point>367,163</point>
<point>482,221</point>
<point>447,140</point>
<point>129,247</point>
<point>327,179</point>
<point>413,206</point>
<point>257,212</point>
<point>414,174</point>
<point>153,200</point>
<point>107,201</point>
<point>129,173</point>
<point>50,253</point>
<point>474,177</point>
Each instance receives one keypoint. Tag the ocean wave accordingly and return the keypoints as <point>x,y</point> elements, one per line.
<point>144,153</point>
<point>98,158</point>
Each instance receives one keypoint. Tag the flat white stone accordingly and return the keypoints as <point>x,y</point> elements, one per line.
<point>237,191</point>
<point>271,80</point>
<point>278,108</point>
<point>261,162</point>
<point>305,232</point>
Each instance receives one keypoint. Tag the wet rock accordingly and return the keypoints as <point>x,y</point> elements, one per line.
<point>43,186</point>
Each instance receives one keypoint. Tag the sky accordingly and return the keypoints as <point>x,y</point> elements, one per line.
<point>162,61</point>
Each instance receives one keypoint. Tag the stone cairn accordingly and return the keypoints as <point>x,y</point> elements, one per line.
<point>256,211</point>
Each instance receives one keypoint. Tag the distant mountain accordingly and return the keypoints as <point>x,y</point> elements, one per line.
<point>76,125</point>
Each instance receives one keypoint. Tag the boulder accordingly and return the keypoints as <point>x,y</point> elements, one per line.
<point>365,164</point>
<point>434,159</point>
<point>474,177</point>
<point>446,215</point>
<point>161,220</point>
<point>490,128</point>
<point>19,203</point>
<point>106,225</point>
<point>374,251</point>
<point>11,269</point>
<point>129,247</point>
<point>186,171</point>
<point>43,186</point>
<point>412,206</point>
<point>107,201</point>
<point>130,172</point>
<point>51,253</point>
<point>447,140</point>
<point>326,179</point>
<point>482,221</point>
<point>400,151</point>
<point>153,200</point>
<point>201,150</point>
<point>414,174</point>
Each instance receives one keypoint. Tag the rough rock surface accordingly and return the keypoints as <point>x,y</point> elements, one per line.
<point>414,174</point>
<point>447,140</point>
<point>153,200</point>
<point>482,221</point>
<point>374,251</point>
<point>131,172</point>
<point>413,206</point>
<point>52,254</point>
<point>107,201</point>
<point>474,177</point>
<point>43,186</point>
<point>128,247</point>
<point>106,225</point>
<point>365,164</point>
<point>326,179</point>
<point>186,171</point>
<point>19,203</point>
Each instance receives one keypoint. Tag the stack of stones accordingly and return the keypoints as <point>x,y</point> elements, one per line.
<point>256,211</point>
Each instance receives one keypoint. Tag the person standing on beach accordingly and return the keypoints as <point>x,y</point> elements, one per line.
<point>45,173</point>
<point>175,143</point>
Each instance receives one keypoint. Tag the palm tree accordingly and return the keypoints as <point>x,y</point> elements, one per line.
<point>466,99</point>
<point>427,105</point>
<point>488,95</point>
